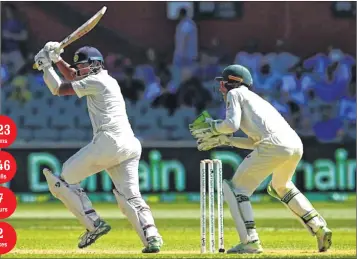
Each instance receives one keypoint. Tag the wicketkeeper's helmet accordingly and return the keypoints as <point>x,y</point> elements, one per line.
<point>234,76</point>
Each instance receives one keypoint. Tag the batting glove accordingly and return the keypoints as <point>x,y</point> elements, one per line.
<point>53,50</point>
<point>204,144</point>
<point>42,60</point>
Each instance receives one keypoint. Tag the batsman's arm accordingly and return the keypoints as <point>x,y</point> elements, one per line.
<point>55,83</point>
<point>65,69</point>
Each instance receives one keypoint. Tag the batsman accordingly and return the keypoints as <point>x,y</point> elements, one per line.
<point>277,150</point>
<point>114,147</point>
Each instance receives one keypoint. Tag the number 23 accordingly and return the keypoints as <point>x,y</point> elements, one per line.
<point>5,129</point>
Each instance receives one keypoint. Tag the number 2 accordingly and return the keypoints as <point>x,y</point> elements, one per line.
<point>1,235</point>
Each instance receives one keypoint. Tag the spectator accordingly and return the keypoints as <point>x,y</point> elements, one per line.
<point>166,99</point>
<point>110,61</point>
<point>334,54</point>
<point>186,47</point>
<point>342,72</point>
<point>148,73</point>
<point>347,108</point>
<point>151,57</point>
<point>250,57</point>
<point>116,66</point>
<point>282,60</point>
<point>353,73</point>
<point>280,100</point>
<point>21,92</point>
<point>289,80</point>
<point>263,79</point>
<point>160,67</point>
<point>305,128</point>
<point>330,88</point>
<point>208,66</point>
<point>186,42</point>
<point>132,89</point>
<point>192,93</point>
<point>113,63</point>
<point>13,39</point>
<point>4,74</point>
<point>350,132</point>
<point>215,52</point>
<point>317,64</point>
<point>312,107</point>
<point>330,128</point>
<point>295,113</point>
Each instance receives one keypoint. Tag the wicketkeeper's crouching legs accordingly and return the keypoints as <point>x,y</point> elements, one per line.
<point>242,213</point>
<point>282,188</point>
<point>250,173</point>
<point>263,161</point>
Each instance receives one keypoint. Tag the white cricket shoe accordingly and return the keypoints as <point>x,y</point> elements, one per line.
<point>89,237</point>
<point>250,248</point>
<point>324,239</point>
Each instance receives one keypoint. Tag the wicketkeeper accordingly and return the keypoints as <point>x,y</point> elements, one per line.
<point>277,150</point>
<point>114,147</point>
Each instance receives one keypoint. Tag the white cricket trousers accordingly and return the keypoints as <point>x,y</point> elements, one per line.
<point>119,157</point>
<point>268,159</point>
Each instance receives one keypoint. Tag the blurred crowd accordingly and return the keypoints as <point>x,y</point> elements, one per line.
<point>316,94</point>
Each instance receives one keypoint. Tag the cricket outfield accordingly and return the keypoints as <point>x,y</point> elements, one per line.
<point>49,231</point>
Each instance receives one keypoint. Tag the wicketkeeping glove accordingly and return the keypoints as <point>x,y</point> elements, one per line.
<point>204,144</point>
<point>201,119</point>
<point>206,129</point>
<point>203,126</point>
<point>53,52</point>
<point>42,60</point>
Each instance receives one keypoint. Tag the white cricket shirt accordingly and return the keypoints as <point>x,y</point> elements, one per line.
<point>257,118</point>
<point>105,103</point>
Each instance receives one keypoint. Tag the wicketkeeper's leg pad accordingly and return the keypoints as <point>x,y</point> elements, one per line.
<point>74,198</point>
<point>301,207</point>
<point>241,211</point>
<point>138,214</point>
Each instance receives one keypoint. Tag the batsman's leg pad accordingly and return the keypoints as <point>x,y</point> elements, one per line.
<point>242,213</point>
<point>74,198</point>
<point>139,215</point>
<point>301,207</point>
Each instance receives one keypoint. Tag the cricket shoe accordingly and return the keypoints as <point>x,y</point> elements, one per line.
<point>250,248</point>
<point>154,245</point>
<point>324,236</point>
<point>90,237</point>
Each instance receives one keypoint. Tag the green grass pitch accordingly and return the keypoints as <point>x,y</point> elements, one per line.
<point>49,231</point>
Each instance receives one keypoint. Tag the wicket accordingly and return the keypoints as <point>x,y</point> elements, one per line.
<point>214,168</point>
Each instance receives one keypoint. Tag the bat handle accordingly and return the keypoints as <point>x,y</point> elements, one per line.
<point>58,50</point>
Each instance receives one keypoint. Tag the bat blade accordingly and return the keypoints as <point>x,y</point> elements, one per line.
<point>84,29</point>
<point>81,31</point>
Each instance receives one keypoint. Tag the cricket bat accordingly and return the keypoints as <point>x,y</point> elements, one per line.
<point>81,31</point>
